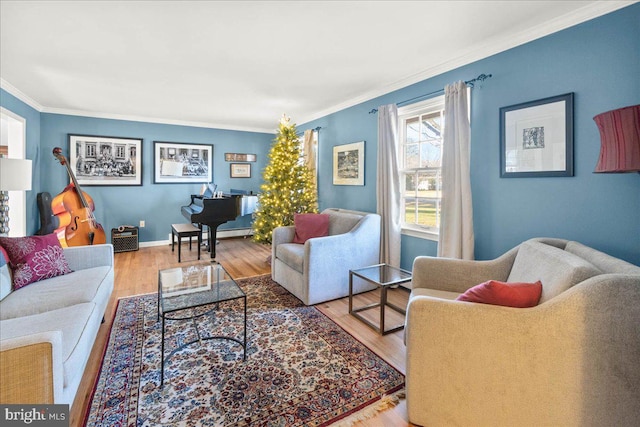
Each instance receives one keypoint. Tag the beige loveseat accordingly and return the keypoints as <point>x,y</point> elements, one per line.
<point>47,329</point>
<point>572,360</point>
<point>318,270</point>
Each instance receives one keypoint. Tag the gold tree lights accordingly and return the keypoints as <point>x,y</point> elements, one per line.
<point>288,186</point>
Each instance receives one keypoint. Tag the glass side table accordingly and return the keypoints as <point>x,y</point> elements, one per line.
<point>194,286</point>
<point>384,276</point>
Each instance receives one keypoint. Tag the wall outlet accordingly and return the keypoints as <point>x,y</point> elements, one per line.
<point>141,223</point>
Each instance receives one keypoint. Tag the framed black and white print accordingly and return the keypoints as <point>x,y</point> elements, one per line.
<point>536,138</point>
<point>348,164</point>
<point>105,160</point>
<point>182,163</point>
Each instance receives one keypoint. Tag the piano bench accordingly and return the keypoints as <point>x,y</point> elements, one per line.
<point>185,230</point>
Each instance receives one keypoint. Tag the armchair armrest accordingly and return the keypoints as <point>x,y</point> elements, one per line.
<point>280,235</point>
<point>283,234</point>
<point>31,368</point>
<point>83,257</point>
<point>456,275</point>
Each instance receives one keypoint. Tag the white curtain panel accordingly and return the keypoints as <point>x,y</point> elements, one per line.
<point>456,224</point>
<point>310,148</point>
<point>388,185</point>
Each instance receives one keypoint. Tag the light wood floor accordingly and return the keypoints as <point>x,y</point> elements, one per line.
<point>137,273</point>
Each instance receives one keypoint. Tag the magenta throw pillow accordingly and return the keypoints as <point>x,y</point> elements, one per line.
<point>310,225</point>
<point>520,295</point>
<point>5,274</point>
<point>34,258</point>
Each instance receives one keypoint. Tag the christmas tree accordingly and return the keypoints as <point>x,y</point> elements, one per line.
<point>288,186</point>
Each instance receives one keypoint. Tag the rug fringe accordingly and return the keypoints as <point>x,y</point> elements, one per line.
<point>387,401</point>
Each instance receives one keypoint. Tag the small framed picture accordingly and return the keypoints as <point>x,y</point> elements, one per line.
<point>348,164</point>
<point>239,157</point>
<point>536,138</point>
<point>180,163</point>
<point>105,160</point>
<point>240,170</point>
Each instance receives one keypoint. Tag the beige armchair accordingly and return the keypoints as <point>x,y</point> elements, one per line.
<point>572,360</point>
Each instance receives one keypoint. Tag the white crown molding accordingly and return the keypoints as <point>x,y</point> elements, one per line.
<point>20,95</point>
<point>145,119</point>
<point>488,48</point>
<point>42,109</point>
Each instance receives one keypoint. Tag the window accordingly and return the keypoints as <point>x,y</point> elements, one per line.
<point>420,145</point>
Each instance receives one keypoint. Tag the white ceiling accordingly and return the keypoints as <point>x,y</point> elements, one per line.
<point>241,65</point>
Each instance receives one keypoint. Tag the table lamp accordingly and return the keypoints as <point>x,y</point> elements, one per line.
<point>15,175</point>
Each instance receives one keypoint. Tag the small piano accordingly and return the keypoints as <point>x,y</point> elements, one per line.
<point>213,212</point>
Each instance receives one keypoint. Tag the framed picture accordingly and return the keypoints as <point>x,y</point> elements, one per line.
<point>182,163</point>
<point>348,164</point>
<point>105,160</point>
<point>239,157</point>
<point>536,138</point>
<point>240,170</point>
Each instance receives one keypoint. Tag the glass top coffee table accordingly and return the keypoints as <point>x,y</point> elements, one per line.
<point>190,287</point>
<point>384,276</point>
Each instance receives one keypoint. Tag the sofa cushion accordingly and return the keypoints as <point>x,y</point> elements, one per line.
<point>519,295</point>
<point>34,258</point>
<point>557,269</point>
<point>71,321</point>
<point>310,225</point>
<point>434,293</point>
<point>78,287</point>
<point>291,254</point>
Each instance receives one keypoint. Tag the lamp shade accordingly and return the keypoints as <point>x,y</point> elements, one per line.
<point>15,174</point>
<point>619,140</point>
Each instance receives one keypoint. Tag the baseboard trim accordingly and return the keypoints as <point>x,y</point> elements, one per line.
<point>221,234</point>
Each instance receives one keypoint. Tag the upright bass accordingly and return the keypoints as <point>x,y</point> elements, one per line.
<point>74,208</point>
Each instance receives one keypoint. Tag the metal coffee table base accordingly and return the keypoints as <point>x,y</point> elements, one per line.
<point>242,342</point>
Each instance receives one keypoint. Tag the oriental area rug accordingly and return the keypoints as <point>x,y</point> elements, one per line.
<point>301,368</point>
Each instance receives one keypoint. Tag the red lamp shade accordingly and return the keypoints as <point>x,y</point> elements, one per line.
<point>619,140</point>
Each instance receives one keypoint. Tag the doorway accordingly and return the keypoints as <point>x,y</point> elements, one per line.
<point>13,145</point>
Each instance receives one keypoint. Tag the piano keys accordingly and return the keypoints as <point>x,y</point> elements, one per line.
<point>213,212</point>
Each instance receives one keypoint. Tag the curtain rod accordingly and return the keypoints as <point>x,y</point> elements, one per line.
<point>480,78</point>
<point>317,129</point>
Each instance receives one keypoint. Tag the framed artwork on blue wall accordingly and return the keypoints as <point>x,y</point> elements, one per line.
<point>348,164</point>
<point>182,163</point>
<point>105,160</point>
<point>536,138</point>
<point>240,170</point>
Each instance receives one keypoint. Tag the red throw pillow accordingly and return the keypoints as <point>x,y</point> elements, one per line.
<point>310,225</point>
<point>520,295</point>
<point>34,258</point>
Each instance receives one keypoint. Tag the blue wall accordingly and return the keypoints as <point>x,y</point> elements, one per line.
<point>157,204</point>
<point>597,60</point>
<point>600,62</point>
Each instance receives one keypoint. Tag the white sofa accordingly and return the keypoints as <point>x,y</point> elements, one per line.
<point>572,360</point>
<point>318,270</point>
<point>48,328</point>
